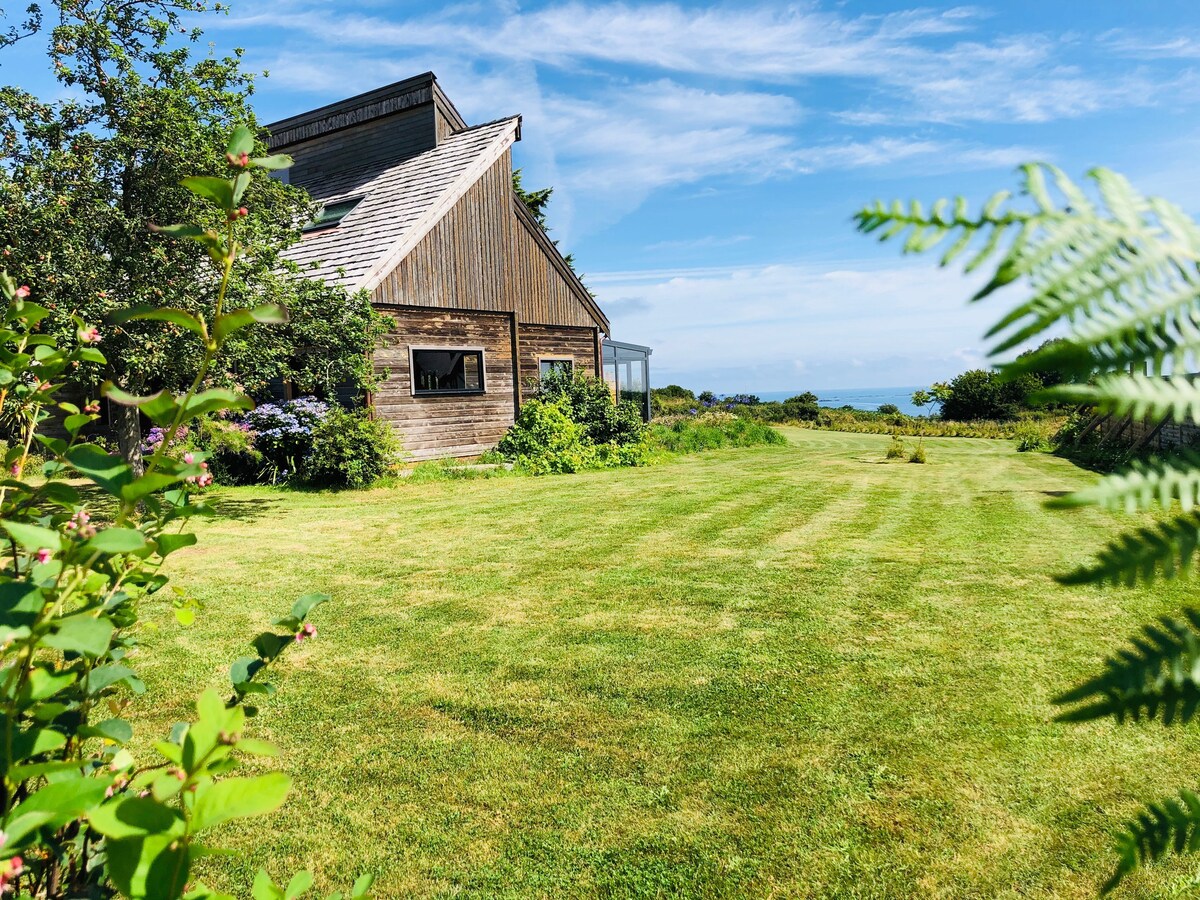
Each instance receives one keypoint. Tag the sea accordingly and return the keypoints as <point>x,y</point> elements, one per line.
<point>859,398</point>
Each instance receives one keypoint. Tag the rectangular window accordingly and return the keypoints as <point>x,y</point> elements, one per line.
<point>546,366</point>
<point>443,370</point>
<point>332,213</point>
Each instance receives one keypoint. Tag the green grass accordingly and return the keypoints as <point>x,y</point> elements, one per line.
<point>797,671</point>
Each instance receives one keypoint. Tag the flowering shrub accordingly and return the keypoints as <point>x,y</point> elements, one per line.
<point>156,439</point>
<point>82,812</point>
<point>283,433</point>
<point>230,449</point>
<point>350,449</point>
<point>545,441</point>
<point>709,431</point>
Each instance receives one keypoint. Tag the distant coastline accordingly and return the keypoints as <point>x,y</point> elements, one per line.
<point>859,398</point>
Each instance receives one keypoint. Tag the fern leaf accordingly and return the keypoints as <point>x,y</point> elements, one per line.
<point>1169,826</point>
<point>1140,396</point>
<point>1157,677</point>
<point>1164,550</point>
<point>1160,481</point>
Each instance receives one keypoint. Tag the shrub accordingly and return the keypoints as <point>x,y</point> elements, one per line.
<point>545,440</point>
<point>896,448</point>
<point>350,448</point>
<point>283,433</point>
<point>232,458</point>
<point>588,401</point>
<point>918,454</point>
<point>1031,436</point>
<point>888,409</point>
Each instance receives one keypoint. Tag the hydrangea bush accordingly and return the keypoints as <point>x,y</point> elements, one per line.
<point>283,433</point>
<point>85,811</point>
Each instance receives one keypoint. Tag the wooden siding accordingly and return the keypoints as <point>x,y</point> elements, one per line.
<point>456,424</point>
<point>543,293</point>
<point>554,342</point>
<point>460,263</point>
<point>362,148</point>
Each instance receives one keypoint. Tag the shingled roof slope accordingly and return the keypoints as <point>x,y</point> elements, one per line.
<point>401,203</point>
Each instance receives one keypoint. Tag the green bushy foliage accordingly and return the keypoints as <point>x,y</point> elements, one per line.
<point>710,431</point>
<point>230,451</point>
<point>545,440</point>
<point>350,449</point>
<point>1032,436</point>
<point>918,454</point>
<point>588,401</point>
<point>87,811</point>
<point>896,448</point>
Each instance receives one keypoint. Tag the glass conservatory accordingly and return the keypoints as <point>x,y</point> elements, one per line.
<point>627,371</point>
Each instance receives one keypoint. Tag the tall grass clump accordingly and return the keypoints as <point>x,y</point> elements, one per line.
<point>710,431</point>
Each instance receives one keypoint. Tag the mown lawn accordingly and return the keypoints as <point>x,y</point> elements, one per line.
<point>786,672</point>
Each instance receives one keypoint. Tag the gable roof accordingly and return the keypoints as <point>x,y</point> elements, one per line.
<point>401,203</point>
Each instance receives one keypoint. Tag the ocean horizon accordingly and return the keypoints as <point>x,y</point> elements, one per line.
<point>859,398</point>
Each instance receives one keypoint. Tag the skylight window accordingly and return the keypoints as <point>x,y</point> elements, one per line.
<point>332,213</point>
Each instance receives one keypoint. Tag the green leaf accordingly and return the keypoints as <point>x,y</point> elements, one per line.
<point>307,604</point>
<point>300,883</point>
<point>63,801</point>
<point>117,540</point>
<point>267,314</point>
<point>1170,826</point>
<point>239,187</point>
<point>154,867</point>
<point>244,669</point>
<point>218,190</point>
<point>20,604</point>
<point>180,231</point>
<point>110,472</point>
<point>159,408</point>
<point>77,421</point>
<point>117,730</point>
<point>180,317</point>
<point>136,817</point>
<point>169,543</point>
<point>81,634</point>
<point>147,485</point>
<point>32,537</point>
<point>35,741</point>
<point>271,163</point>
<point>237,798</point>
<point>264,888</point>
<point>92,355</point>
<point>213,400</point>
<point>185,615</point>
<point>241,141</point>
<point>102,677</point>
<point>255,747</point>
<point>362,885</point>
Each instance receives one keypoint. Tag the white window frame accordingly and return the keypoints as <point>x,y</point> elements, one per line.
<point>455,348</point>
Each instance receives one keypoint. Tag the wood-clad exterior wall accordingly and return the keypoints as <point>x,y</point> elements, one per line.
<point>433,426</point>
<point>538,342</point>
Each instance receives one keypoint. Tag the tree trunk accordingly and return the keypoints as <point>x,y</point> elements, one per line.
<point>128,426</point>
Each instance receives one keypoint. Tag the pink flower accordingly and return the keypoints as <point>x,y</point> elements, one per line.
<point>90,335</point>
<point>44,555</point>
<point>9,871</point>
<point>15,469</point>
<point>23,291</point>
<point>308,630</point>
<point>189,458</point>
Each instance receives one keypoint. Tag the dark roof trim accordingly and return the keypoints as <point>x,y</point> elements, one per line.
<point>447,108</point>
<point>382,101</point>
<point>556,258</point>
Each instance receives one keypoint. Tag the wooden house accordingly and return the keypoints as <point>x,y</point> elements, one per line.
<point>418,209</point>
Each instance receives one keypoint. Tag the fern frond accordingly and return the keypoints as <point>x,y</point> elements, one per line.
<point>1164,550</point>
<point>1170,826</point>
<point>1159,481</point>
<point>1157,677</point>
<point>1140,396</point>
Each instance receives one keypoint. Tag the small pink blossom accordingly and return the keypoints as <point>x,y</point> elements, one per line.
<point>15,469</point>
<point>90,335</point>
<point>10,870</point>
<point>189,458</point>
<point>23,291</point>
<point>44,555</point>
<point>308,630</point>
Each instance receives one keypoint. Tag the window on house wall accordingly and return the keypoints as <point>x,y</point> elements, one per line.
<point>444,370</point>
<point>332,213</point>
<point>546,366</point>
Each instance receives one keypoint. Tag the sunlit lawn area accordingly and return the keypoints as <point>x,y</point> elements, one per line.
<point>789,671</point>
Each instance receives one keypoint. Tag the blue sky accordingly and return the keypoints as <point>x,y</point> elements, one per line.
<point>707,158</point>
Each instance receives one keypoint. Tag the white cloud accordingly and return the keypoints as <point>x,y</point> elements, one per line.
<point>711,327</point>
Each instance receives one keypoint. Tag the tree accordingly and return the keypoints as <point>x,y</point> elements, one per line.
<point>82,177</point>
<point>536,202</point>
<point>1119,275</point>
